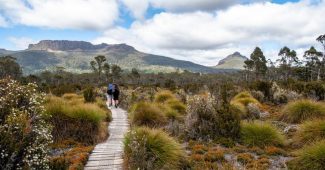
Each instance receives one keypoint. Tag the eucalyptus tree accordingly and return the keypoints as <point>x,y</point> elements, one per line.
<point>314,62</point>
<point>287,61</point>
<point>9,67</point>
<point>97,64</point>
<point>257,63</point>
<point>321,39</point>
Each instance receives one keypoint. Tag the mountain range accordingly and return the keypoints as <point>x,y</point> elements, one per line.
<point>75,56</point>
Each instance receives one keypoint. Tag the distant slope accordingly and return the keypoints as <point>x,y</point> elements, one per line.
<point>76,55</point>
<point>5,52</point>
<point>233,61</point>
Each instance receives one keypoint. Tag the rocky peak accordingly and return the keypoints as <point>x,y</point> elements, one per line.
<point>65,45</point>
<point>232,56</point>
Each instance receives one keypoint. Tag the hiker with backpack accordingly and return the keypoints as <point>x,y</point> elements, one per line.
<point>110,94</point>
<point>116,94</point>
<point>113,93</point>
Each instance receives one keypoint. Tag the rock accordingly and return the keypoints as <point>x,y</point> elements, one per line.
<point>291,129</point>
<point>264,114</point>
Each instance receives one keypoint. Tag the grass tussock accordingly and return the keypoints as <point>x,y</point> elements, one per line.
<point>147,114</point>
<point>245,98</point>
<point>241,102</point>
<point>147,148</point>
<point>164,96</point>
<point>71,96</point>
<point>260,134</point>
<point>81,111</point>
<point>177,106</point>
<point>77,120</point>
<point>311,131</point>
<point>301,110</point>
<point>310,157</point>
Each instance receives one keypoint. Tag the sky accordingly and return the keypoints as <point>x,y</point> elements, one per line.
<point>201,31</point>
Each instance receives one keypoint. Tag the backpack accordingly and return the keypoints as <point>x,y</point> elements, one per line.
<point>110,89</point>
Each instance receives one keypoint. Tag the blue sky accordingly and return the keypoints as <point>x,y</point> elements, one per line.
<point>151,25</point>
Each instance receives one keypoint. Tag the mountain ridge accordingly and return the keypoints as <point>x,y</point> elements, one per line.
<point>75,56</point>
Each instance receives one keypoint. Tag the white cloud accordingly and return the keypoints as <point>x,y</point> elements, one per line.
<point>138,8</point>
<point>21,42</point>
<point>75,14</point>
<point>208,36</point>
<point>192,5</point>
<point>3,22</point>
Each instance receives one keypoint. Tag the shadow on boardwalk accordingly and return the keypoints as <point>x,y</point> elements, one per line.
<point>108,155</point>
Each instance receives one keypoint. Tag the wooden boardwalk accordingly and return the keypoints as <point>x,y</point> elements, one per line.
<point>108,155</point>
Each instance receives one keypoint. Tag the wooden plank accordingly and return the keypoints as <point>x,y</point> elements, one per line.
<point>108,155</point>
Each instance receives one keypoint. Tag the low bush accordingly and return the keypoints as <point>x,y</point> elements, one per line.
<point>309,157</point>
<point>72,159</point>
<point>245,158</point>
<point>63,89</point>
<point>24,133</point>
<point>311,131</point>
<point>260,134</point>
<point>147,114</point>
<point>280,95</point>
<point>315,89</point>
<point>214,155</point>
<point>258,95</point>
<point>147,148</point>
<point>89,94</point>
<point>205,121</point>
<point>301,110</point>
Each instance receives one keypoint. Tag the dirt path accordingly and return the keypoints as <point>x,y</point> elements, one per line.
<point>108,155</point>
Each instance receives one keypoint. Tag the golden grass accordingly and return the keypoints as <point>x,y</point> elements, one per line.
<point>302,110</point>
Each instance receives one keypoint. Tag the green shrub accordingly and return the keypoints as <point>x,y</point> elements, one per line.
<point>317,88</point>
<point>260,134</point>
<point>205,122</point>
<point>147,148</point>
<point>163,96</point>
<point>301,110</point>
<point>310,157</point>
<point>147,114</point>
<point>262,86</point>
<point>311,131</point>
<point>63,89</point>
<point>89,95</point>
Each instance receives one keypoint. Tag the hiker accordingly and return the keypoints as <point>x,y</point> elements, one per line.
<point>110,90</point>
<point>116,94</point>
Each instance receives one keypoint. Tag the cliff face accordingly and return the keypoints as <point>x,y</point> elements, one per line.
<point>64,45</point>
